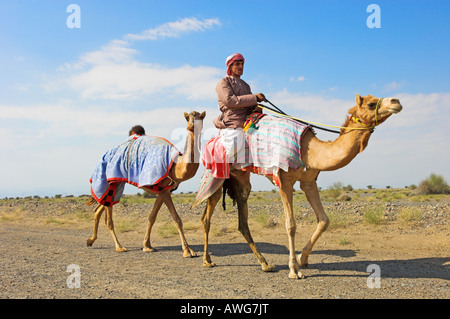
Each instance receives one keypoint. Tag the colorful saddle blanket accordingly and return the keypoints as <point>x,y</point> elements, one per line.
<point>275,145</point>
<point>143,162</point>
<point>271,145</point>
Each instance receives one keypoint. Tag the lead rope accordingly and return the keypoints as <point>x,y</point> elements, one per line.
<point>314,124</point>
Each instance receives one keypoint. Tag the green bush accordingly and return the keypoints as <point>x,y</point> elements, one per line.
<point>434,184</point>
<point>374,215</point>
<point>335,190</point>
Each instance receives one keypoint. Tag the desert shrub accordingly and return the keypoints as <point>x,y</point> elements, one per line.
<point>148,195</point>
<point>434,184</point>
<point>168,229</point>
<point>263,218</point>
<point>344,198</point>
<point>125,225</point>
<point>374,215</point>
<point>339,220</point>
<point>348,188</point>
<point>410,215</point>
<point>335,190</point>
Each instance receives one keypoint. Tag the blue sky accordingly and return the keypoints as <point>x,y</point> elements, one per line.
<point>67,95</point>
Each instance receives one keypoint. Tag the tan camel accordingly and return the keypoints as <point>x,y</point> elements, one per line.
<point>317,156</point>
<point>184,168</point>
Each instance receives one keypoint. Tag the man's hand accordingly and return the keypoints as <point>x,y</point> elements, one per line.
<point>260,97</point>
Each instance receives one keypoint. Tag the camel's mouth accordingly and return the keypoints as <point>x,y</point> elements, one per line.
<point>395,108</point>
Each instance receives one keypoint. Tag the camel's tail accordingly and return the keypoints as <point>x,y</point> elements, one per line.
<point>228,189</point>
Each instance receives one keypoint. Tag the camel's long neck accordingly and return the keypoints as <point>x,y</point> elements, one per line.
<point>329,156</point>
<point>187,164</point>
<point>191,153</point>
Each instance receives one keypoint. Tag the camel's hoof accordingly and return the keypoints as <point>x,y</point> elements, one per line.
<point>189,254</point>
<point>121,249</point>
<point>268,268</point>
<point>149,249</point>
<point>209,264</point>
<point>298,275</point>
<point>302,262</point>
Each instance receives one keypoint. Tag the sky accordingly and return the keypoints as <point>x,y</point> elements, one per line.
<point>75,79</point>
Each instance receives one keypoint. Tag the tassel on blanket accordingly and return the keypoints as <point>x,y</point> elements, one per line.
<point>252,120</point>
<point>91,202</point>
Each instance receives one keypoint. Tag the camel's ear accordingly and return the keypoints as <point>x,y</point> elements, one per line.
<point>359,100</point>
<point>186,116</point>
<point>202,116</point>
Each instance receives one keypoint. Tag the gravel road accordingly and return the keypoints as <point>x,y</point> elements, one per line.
<point>40,242</point>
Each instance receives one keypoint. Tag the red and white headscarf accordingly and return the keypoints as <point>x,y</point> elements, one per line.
<point>231,59</point>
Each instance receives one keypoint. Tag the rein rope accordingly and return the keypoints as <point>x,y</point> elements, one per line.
<point>318,125</point>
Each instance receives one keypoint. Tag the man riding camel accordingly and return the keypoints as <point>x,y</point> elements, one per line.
<point>236,102</point>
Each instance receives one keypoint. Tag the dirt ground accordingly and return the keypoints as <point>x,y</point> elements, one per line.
<point>41,240</point>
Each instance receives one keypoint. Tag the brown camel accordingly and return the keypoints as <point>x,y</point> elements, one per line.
<point>185,166</point>
<point>317,156</point>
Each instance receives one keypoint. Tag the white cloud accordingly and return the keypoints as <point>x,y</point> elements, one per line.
<point>315,108</point>
<point>115,52</point>
<point>112,72</point>
<point>175,29</point>
<point>135,80</point>
<point>425,109</point>
<point>68,120</point>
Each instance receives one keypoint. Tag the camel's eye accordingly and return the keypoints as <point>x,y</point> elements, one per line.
<point>372,106</point>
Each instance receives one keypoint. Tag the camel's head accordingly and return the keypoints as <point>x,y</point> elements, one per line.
<point>369,112</point>
<point>373,111</point>
<point>194,120</point>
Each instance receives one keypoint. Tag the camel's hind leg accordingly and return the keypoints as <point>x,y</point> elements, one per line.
<point>312,194</point>
<point>241,185</point>
<point>98,211</point>
<point>151,220</point>
<point>206,221</point>
<point>166,197</point>
<point>110,224</point>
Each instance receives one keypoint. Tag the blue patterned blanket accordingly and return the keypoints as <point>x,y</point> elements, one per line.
<point>143,162</point>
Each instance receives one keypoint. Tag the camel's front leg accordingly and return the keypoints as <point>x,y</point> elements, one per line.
<point>166,197</point>
<point>110,224</point>
<point>97,214</point>
<point>286,191</point>
<point>206,221</point>
<point>312,194</point>
<point>151,220</point>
